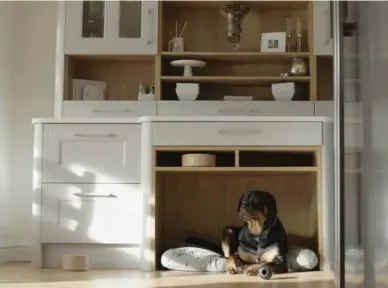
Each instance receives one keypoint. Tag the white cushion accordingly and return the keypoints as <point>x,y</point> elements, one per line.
<point>193,259</point>
<point>301,259</point>
<point>197,259</point>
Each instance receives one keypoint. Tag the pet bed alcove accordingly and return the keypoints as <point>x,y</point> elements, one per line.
<point>201,201</point>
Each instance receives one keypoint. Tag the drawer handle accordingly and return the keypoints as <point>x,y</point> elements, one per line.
<point>112,111</point>
<point>110,135</point>
<point>151,27</point>
<point>88,195</point>
<point>250,111</point>
<point>239,132</point>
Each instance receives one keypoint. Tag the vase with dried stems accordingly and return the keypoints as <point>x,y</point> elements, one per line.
<point>234,14</point>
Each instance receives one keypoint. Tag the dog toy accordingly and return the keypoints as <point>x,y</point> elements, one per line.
<point>265,272</point>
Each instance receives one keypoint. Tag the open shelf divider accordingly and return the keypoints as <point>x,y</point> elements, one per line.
<point>241,159</point>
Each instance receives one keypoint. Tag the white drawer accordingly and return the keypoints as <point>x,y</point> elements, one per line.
<point>91,153</point>
<point>235,108</point>
<point>236,133</point>
<point>108,109</point>
<point>87,213</point>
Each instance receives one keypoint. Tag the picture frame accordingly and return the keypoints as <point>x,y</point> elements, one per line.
<point>273,42</point>
<point>79,84</point>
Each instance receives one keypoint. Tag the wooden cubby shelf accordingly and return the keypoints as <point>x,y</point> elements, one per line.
<point>241,159</point>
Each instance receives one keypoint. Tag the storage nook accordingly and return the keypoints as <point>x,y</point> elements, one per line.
<point>193,201</point>
<point>201,201</point>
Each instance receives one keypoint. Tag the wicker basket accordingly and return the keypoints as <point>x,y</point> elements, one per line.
<point>73,262</point>
<point>198,160</point>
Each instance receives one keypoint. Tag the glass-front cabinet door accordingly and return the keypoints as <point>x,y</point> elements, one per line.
<point>111,27</point>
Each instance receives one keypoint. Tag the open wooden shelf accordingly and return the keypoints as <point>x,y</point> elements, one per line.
<point>259,90</point>
<point>121,74</point>
<point>241,159</point>
<point>236,56</point>
<point>238,169</point>
<point>235,79</point>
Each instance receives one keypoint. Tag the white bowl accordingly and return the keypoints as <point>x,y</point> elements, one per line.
<point>187,96</point>
<point>187,85</point>
<point>187,91</point>
<point>283,91</point>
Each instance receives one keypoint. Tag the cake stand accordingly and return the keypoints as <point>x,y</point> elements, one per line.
<point>188,65</point>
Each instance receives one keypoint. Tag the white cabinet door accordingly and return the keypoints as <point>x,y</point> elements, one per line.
<point>111,27</point>
<point>91,153</point>
<point>87,213</point>
<point>323,35</point>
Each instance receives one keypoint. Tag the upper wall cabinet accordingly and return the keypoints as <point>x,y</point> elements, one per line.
<point>111,27</point>
<point>323,28</point>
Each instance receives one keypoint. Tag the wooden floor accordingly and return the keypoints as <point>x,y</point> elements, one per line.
<point>22,275</point>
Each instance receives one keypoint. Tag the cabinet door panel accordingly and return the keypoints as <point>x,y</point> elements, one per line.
<point>323,36</point>
<point>111,27</point>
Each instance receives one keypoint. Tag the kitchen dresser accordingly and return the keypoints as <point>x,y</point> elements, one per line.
<point>115,189</point>
<point>96,170</point>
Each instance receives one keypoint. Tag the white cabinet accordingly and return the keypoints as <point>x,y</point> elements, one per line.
<point>111,27</point>
<point>91,213</point>
<point>323,29</point>
<point>91,153</point>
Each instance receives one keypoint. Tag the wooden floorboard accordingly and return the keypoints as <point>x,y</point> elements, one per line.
<point>22,275</point>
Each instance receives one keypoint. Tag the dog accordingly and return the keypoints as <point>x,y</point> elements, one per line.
<point>261,241</point>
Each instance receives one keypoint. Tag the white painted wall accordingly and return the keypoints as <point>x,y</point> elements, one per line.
<point>28,75</point>
<point>5,111</point>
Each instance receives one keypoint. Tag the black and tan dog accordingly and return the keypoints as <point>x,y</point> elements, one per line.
<point>262,240</point>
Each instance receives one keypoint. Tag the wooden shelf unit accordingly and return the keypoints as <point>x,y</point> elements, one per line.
<point>200,201</point>
<point>248,72</point>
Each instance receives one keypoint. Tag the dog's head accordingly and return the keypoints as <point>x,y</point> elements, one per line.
<point>258,210</point>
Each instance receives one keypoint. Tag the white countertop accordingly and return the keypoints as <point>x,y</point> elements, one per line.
<point>182,119</point>
<point>236,119</point>
<point>85,120</point>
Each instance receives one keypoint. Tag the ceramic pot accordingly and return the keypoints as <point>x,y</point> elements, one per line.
<point>298,67</point>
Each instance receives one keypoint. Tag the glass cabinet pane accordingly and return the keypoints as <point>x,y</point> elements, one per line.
<point>93,20</point>
<point>130,19</point>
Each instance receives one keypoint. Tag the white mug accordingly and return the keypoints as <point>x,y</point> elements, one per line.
<point>176,44</point>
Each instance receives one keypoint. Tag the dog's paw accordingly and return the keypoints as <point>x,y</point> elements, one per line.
<point>252,270</point>
<point>231,270</point>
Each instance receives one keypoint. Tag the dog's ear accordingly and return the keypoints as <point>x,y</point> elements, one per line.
<point>270,203</point>
<point>240,202</point>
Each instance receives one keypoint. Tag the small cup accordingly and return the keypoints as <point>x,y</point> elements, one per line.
<point>176,44</point>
